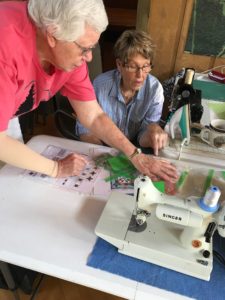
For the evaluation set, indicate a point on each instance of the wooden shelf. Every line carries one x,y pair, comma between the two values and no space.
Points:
121,17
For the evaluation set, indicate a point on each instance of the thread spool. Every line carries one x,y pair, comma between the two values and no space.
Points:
210,201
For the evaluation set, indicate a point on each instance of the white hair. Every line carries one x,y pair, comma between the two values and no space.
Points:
66,19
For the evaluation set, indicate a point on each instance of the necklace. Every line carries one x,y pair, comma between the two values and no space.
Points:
128,95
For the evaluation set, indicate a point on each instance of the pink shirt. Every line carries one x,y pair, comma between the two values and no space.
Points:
23,82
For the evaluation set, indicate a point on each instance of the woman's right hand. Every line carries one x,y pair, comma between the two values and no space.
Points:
71,165
155,168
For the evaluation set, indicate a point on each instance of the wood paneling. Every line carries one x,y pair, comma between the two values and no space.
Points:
121,16
199,62
143,9
164,26
168,25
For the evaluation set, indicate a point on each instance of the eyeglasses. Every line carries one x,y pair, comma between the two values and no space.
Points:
135,69
84,51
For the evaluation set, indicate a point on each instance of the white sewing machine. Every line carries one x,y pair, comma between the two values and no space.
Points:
165,230
171,231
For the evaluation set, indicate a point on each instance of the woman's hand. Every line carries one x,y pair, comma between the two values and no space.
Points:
155,168
71,165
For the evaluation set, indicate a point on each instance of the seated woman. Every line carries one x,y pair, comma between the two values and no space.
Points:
130,96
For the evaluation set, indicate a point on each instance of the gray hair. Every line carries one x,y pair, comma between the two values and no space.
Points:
132,42
66,19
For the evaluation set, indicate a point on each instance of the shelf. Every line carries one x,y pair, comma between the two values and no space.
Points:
121,17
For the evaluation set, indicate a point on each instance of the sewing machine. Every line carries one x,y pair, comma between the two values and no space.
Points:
171,231
163,229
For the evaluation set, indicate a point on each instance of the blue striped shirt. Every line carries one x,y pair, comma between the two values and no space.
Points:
132,118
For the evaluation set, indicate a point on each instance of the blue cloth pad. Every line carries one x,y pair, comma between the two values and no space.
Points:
106,257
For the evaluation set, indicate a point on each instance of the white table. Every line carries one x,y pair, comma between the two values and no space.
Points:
50,230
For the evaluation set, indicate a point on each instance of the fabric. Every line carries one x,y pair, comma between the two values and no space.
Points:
132,119
23,82
106,257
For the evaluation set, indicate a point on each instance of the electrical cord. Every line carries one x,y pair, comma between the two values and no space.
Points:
206,71
36,289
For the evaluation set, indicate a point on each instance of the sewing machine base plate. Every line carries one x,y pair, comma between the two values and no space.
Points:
158,243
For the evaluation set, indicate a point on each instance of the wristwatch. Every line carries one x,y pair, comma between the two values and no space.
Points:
136,152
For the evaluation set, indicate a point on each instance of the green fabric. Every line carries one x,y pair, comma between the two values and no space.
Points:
120,162
223,174
181,179
120,166
160,185
208,180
